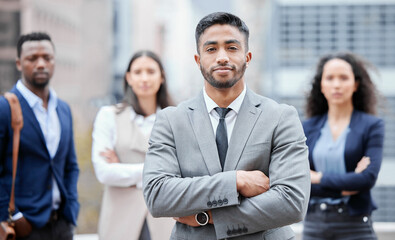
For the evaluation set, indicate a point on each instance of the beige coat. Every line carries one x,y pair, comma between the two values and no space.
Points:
123,210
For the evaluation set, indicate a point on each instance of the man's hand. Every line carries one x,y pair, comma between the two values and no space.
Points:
315,177
110,156
251,183
191,221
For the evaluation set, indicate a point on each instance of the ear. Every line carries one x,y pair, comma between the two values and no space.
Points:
356,85
128,78
248,58
18,64
197,59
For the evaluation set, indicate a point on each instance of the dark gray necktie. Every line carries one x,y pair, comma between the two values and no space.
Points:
221,136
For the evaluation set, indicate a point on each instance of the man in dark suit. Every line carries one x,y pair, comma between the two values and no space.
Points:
215,191
47,173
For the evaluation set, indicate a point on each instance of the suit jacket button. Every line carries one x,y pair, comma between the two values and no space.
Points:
225,201
220,202
214,203
209,204
49,187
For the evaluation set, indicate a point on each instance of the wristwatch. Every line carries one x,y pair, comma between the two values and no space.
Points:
202,218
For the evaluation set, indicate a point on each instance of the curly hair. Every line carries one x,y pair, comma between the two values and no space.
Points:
364,99
163,98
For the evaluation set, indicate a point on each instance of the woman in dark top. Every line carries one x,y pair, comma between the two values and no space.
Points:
345,143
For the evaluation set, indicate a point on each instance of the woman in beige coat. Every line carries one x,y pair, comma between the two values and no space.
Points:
120,141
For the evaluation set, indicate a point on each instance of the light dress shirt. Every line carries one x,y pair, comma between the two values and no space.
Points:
328,158
105,137
50,127
230,118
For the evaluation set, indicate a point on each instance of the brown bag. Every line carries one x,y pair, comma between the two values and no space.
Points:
10,229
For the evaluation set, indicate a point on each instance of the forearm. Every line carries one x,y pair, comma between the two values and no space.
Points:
173,196
260,213
119,174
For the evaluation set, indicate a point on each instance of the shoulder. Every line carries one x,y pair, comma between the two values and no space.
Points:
363,121
270,106
4,109
63,105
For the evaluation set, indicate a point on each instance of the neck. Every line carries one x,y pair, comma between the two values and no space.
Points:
224,97
148,105
337,112
42,93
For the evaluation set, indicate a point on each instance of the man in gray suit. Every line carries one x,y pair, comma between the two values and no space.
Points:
210,159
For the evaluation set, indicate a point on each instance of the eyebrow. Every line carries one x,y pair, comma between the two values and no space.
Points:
226,42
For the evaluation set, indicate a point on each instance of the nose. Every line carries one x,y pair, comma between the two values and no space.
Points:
336,82
144,76
40,63
222,57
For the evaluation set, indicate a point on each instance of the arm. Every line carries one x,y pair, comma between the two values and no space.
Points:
286,200
365,180
71,173
4,124
108,170
169,194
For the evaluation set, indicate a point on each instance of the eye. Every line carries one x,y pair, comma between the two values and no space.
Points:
48,58
151,71
233,48
344,77
210,49
137,72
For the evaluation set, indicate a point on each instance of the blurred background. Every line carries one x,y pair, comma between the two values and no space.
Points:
95,39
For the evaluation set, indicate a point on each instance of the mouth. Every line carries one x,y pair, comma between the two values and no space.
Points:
223,69
40,75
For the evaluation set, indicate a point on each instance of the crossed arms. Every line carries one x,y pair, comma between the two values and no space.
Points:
249,200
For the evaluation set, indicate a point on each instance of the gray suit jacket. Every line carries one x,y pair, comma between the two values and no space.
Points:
182,173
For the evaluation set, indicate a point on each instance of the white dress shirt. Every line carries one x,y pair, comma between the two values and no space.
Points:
50,127
104,137
230,118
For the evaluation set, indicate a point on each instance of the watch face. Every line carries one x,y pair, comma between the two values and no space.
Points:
202,218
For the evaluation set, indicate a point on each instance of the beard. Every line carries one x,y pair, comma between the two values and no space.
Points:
208,75
38,83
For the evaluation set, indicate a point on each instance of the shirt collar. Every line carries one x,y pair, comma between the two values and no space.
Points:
235,105
33,100
140,119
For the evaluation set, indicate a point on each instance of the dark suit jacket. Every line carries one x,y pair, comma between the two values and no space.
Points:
365,138
33,187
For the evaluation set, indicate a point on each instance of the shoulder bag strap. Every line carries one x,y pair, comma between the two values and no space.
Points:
16,124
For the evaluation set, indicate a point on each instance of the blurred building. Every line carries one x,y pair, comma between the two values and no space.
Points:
82,39
9,32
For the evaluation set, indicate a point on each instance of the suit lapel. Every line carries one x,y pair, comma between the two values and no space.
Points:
201,124
245,122
28,116
63,121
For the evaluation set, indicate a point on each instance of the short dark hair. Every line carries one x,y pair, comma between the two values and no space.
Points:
364,99
33,36
163,99
221,18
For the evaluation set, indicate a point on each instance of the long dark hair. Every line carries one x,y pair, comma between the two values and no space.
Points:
364,99
130,99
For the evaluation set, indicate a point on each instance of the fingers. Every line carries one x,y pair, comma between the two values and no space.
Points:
252,183
110,156
362,164
349,193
